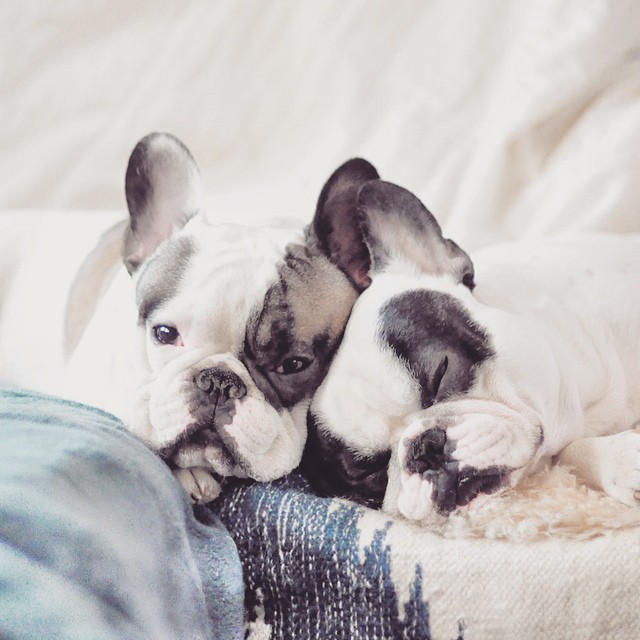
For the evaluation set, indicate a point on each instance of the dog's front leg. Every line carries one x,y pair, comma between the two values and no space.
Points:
609,463
457,451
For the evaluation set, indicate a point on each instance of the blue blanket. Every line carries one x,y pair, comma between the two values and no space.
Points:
97,540
310,576
328,569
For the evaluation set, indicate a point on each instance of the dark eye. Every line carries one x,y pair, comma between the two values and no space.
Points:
166,334
295,364
468,280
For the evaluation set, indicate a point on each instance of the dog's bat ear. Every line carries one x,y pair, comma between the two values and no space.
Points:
397,226
337,225
163,191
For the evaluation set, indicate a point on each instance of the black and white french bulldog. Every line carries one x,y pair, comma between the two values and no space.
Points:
455,378
209,340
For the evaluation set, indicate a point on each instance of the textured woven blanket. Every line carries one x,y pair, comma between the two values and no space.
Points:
97,541
328,569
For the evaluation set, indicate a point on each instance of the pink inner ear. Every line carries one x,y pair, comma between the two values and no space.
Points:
361,279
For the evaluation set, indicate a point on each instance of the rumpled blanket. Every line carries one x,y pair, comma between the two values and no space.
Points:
97,540
328,569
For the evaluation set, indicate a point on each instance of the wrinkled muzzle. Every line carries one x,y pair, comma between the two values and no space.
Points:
206,411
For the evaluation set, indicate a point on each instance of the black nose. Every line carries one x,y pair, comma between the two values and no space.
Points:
220,384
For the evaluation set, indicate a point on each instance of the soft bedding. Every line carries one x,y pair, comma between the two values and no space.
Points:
551,560
96,538
508,119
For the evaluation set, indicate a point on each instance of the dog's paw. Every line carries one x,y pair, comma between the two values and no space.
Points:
482,441
199,483
609,463
434,482
456,452
620,467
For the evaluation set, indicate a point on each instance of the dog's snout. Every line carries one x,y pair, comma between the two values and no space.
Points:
220,383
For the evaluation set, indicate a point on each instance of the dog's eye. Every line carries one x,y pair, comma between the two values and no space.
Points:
166,334
295,364
468,280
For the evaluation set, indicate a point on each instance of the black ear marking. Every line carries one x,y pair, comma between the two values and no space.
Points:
162,188
398,225
337,225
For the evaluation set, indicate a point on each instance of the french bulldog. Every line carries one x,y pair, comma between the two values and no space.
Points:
209,340
458,375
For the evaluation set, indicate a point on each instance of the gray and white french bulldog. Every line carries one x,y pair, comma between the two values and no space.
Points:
457,376
209,340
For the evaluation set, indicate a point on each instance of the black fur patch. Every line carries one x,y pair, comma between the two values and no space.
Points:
334,470
441,346
280,329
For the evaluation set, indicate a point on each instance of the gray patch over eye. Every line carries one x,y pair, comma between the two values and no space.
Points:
161,277
437,340
303,316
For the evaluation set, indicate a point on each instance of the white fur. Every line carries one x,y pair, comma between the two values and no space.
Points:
229,274
611,463
118,367
564,321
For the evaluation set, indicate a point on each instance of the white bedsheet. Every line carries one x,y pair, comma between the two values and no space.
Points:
507,118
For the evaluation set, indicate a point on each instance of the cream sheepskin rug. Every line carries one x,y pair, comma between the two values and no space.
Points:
552,503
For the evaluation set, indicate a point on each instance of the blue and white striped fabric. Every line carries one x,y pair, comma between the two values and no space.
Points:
308,572
322,569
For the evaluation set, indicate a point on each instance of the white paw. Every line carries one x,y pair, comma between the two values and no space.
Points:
620,467
455,452
415,500
483,441
199,483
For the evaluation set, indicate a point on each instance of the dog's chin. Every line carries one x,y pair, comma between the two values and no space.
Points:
202,446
